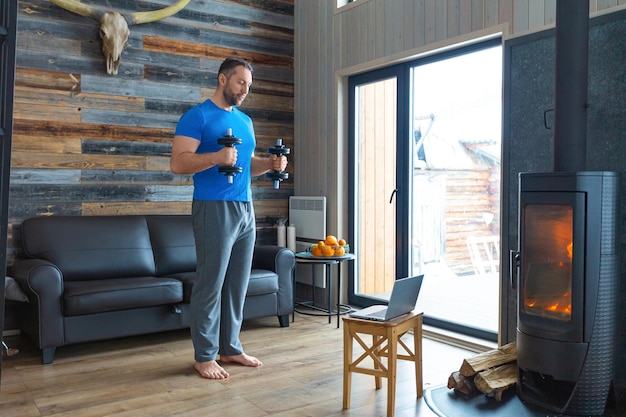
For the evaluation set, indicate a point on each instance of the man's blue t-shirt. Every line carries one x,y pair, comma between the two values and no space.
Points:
207,123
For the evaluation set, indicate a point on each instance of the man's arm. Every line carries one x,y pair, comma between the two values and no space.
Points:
261,165
185,160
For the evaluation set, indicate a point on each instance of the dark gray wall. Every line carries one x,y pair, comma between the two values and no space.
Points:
527,143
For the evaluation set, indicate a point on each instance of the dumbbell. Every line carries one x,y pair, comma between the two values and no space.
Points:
230,141
279,150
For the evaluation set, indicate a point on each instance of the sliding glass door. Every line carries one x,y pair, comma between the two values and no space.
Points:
424,189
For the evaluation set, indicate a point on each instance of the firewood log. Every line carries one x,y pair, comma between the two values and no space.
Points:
490,359
461,383
496,380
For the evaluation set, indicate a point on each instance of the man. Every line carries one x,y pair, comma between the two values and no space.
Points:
223,216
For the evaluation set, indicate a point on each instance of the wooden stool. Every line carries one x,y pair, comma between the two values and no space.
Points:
390,331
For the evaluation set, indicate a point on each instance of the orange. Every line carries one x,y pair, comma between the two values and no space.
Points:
331,240
339,251
328,251
321,244
341,242
316,251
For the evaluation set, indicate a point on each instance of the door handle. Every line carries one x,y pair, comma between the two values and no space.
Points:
394,192
514,268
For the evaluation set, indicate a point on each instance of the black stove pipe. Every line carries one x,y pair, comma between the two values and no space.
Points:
570,94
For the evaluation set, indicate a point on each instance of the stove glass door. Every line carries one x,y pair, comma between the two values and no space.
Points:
548,247
552,264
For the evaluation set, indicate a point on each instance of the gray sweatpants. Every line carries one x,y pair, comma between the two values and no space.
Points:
225,233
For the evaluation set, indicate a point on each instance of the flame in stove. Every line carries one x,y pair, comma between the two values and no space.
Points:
557,308
570,252
556,304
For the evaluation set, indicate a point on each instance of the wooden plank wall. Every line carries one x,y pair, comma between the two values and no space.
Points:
88,143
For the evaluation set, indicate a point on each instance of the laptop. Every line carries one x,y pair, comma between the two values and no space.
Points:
402,301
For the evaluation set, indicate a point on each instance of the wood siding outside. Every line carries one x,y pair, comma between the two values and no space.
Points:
88,143
469,195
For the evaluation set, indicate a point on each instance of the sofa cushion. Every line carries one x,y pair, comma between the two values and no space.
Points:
91,247
262,282
173,243
88,297
187,279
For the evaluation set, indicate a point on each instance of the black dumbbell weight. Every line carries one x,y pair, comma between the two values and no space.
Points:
279,150
229,140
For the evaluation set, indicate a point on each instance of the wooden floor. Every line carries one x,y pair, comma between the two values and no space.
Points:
152,376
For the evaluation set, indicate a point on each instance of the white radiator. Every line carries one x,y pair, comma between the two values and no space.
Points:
308,215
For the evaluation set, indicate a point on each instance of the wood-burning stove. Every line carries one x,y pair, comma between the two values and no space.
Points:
566,270
566,273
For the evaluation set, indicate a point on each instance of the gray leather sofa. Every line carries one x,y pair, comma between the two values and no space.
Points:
99,277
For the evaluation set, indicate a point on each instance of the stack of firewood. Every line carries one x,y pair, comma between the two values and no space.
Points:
490,372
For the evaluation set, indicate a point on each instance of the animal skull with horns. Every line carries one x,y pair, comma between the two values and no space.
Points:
114,25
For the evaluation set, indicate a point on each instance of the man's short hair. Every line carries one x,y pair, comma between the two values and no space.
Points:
228,66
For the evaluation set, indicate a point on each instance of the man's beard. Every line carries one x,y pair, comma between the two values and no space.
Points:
231,99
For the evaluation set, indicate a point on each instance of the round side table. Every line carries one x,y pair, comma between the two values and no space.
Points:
307,258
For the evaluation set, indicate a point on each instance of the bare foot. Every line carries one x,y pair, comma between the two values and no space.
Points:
210,370
242,359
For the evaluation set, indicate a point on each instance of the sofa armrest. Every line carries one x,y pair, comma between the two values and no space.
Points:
282,261
42,282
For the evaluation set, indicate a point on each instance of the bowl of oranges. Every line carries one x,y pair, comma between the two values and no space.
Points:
330,247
